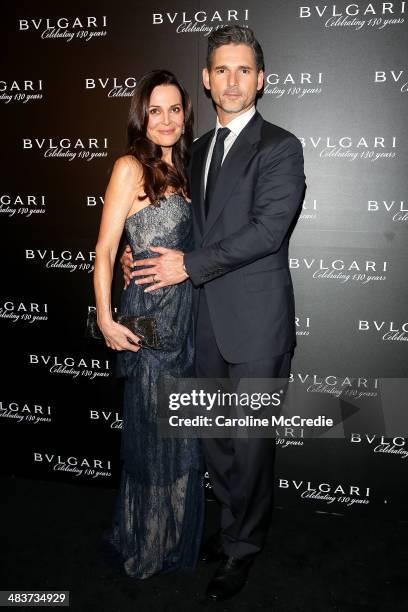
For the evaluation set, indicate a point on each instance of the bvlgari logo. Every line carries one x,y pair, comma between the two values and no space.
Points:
106,417
66,28
341,270
93,309
287,437
356,15
87,149
309,210
335,385
94,200
202,21
351,148
396,209
21,206
396,78
298,85
387,330
63,260
397,446
346,494
15,310
113,87
302,324
26,412
21,90
92,467
74,366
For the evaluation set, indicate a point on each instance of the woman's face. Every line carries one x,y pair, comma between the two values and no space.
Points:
166,115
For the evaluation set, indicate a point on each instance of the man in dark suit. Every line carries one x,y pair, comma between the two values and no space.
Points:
247,183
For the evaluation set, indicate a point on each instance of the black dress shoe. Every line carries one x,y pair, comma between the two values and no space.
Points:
212,549
229,578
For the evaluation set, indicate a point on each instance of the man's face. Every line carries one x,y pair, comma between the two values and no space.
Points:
233,79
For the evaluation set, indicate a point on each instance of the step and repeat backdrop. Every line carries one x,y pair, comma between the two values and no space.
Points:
337,77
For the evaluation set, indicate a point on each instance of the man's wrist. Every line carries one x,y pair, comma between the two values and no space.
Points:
184,267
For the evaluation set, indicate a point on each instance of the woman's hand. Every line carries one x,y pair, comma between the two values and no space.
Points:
127,262
119,338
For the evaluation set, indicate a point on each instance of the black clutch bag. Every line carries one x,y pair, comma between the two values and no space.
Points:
144,326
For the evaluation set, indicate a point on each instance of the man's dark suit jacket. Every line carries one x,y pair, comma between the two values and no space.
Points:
241,249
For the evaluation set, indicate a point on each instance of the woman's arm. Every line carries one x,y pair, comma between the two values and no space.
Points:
125,184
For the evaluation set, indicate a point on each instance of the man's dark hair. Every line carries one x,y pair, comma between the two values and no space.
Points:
236,35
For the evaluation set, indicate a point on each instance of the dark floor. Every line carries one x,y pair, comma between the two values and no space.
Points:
312,563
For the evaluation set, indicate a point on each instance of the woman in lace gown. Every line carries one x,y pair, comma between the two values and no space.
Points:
158,515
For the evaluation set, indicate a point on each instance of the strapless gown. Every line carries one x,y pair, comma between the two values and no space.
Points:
159,510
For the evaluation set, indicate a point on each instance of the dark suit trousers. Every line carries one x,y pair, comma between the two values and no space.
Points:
240,469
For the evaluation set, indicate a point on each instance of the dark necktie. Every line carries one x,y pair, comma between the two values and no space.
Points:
215,165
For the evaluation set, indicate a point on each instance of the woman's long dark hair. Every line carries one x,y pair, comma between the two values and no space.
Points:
157,175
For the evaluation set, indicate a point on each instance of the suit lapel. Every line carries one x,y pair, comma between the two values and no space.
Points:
197,179
241,152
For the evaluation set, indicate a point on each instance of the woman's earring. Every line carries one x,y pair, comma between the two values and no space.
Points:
182,129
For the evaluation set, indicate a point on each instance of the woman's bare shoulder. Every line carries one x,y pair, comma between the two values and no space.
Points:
128,165
127,173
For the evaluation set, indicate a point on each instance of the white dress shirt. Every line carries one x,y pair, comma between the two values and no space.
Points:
236,126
